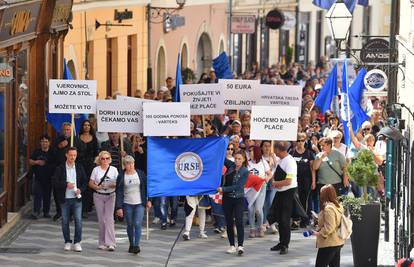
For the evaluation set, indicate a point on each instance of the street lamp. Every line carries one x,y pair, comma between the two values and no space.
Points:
339,21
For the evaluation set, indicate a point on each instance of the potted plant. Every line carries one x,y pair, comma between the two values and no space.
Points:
365,212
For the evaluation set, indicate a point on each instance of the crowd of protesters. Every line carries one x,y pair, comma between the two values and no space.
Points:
318,158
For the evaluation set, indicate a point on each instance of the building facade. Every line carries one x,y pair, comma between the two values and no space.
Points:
199,33
31,52
108,43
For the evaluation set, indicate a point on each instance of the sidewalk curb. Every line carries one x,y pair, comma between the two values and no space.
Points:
13,219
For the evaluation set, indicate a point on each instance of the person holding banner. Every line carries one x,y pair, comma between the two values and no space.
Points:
103,181
258,166
193,203
131,200
233,199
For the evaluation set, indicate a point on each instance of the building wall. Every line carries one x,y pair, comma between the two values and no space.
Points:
76,44
210,20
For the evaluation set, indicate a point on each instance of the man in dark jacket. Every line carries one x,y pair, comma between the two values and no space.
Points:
69,181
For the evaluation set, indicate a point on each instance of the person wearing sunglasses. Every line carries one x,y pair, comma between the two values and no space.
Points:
230,152
103,182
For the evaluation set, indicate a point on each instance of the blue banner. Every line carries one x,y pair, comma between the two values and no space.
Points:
328,93
185,167
222,67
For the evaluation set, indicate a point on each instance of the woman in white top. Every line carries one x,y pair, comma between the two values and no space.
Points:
259,167
131,200
337,145
103,182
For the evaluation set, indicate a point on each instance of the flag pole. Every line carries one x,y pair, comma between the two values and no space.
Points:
147,223
121,142
72,125
204,125
347,90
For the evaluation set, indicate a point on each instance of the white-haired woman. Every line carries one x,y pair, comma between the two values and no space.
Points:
103,181
131,200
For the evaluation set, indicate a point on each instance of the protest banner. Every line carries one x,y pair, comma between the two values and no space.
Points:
280,95
204,98
122,116
166,119
274,123
239,94
72,96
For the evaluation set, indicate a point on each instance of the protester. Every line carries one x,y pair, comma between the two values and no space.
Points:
131,200
337,145
233,200
193,204
328,242
103,182
258,166
87,151
113,146
42,161
69,181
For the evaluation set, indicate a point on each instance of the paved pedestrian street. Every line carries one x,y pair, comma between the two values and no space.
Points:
43,239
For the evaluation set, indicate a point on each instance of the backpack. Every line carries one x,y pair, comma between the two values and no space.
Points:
344,230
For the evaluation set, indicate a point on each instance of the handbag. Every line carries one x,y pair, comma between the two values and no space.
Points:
344,230
340,188
103,177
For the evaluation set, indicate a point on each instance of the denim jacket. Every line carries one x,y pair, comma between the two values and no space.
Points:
236,190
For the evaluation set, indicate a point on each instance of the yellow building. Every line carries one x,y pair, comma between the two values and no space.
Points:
115,56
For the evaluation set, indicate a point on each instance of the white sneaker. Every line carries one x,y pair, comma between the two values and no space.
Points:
240,250
156,220
111,248
102,247
68,247
274,229
203,235
231,250
77,247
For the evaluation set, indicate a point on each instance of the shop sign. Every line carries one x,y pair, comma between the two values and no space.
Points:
19,20
121,15
6,73
290,21
375,80
61,14
376,50
243,24
275,19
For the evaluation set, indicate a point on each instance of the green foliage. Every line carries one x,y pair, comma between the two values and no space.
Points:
289,54
352,205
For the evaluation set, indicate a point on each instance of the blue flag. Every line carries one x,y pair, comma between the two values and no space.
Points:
178,80
328,93
185,167
57,119
222,67
350,4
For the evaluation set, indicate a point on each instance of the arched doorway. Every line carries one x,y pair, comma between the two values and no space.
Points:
184,57
204,54
161,69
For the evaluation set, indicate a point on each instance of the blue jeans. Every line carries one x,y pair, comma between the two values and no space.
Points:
270,195
161,208
218,214
134,215
257,209
72,206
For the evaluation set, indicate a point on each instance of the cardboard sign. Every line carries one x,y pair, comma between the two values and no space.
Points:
122,116
204,98
274,123
239,94
280,95
166,119
72,96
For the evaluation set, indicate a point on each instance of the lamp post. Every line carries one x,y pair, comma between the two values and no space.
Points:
339,21
158,15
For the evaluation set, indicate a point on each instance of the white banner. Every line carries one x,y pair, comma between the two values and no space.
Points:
204,98
122,116
166,119
239,94
274,123
72,96
280,95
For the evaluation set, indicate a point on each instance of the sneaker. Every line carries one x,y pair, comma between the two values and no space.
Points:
217,230
274,229
111,248
67,247
164,226
102,247
252,233
203,235
131,249
136,250
278,247
172,222
156,220
77,247
261,231
240,250
283,250
231,250
186,236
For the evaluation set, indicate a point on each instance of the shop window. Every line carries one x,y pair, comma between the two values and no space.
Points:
22,94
